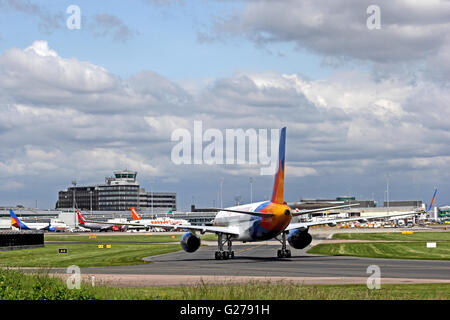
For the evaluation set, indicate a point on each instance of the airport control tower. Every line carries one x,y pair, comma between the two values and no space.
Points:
125,177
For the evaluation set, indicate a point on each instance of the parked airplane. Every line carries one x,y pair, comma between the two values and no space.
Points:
138,223
17,223
94,226
432,200
261,221
157,223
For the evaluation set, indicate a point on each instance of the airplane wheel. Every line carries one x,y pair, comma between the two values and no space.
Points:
284,254
218,255
225,255
232,255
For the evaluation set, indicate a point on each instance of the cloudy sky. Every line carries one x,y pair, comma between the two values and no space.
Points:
358,102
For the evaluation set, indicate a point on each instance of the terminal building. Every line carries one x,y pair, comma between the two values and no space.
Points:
443,213
118,193
113,200
364,207
322,203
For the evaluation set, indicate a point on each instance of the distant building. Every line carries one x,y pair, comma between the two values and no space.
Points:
194,209
444,213
321,203
404,203
119,192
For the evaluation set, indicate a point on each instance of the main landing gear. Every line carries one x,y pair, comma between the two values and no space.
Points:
221,254
283,253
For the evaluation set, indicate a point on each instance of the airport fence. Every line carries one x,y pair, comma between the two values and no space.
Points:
10,240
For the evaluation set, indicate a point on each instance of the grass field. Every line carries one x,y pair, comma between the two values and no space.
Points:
395,236
125,250
15,285
286,291
406,246
390,250
143,237
84,255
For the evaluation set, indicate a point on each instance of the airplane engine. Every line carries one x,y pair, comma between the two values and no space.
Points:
299,239
190,242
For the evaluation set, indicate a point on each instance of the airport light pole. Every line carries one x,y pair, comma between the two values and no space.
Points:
74,183
221,192
90,193
218,197
237,198
387,191
251,189
151,195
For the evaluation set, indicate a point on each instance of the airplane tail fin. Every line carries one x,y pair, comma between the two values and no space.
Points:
135,215
81,219
278,186
432,200
15,221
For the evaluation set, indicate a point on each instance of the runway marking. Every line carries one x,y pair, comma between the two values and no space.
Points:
252,247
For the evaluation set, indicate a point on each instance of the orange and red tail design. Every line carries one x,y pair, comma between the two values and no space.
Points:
135,215
278,186
81,219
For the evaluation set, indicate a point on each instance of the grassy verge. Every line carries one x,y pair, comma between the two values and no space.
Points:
390,250
15,285
286,291
84,255
145,237
395,236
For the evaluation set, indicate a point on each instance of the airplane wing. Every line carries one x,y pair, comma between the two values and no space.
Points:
258,214
202,229
298,213
304,225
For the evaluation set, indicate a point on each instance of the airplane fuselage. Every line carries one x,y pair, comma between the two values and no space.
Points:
158,223
255,228
31,226
96,226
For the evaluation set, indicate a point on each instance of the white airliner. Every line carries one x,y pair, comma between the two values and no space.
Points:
158,223
51,226
263,221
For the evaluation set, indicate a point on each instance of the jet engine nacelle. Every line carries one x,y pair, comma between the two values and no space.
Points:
190,242
299,239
